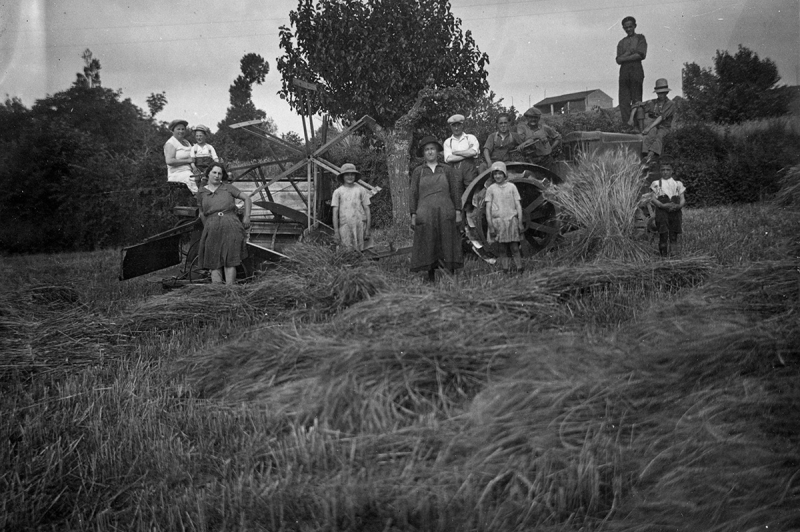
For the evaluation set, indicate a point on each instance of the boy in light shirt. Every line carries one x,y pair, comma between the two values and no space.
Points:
668,199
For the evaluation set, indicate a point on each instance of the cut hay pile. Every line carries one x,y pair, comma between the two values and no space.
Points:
686,416
689,424
789,192
599,198
319,281
405,355
46,327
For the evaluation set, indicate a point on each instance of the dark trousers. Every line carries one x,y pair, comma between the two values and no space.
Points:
669,225
631,79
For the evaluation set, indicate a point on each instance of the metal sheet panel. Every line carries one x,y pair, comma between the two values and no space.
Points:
150,256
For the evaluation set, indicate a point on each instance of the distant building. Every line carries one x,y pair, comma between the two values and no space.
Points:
575,102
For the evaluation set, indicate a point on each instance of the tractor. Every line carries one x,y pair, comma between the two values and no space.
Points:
540,217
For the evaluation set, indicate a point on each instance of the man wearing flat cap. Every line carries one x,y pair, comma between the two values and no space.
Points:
461,151
538,140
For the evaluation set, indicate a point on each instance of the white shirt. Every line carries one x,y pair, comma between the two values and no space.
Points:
206,150
667,187
464,142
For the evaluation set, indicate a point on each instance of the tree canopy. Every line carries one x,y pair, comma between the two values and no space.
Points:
239,145
405,63
79,166
740,87
374,57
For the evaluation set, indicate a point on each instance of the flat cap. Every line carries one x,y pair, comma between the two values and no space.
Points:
533,111
455,119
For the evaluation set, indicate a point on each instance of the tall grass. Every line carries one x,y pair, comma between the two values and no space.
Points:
599,198
338,394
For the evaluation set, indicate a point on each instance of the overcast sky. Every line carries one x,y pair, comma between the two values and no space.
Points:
536,48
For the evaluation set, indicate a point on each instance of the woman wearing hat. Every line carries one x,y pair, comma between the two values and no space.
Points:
435,206
177,154
660,113
351,216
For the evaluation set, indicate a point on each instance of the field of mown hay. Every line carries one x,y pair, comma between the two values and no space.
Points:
341,394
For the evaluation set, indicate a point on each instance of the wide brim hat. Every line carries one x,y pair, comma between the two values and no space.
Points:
661,86
347,168
533,111
201,127
500,165
430,139
176,122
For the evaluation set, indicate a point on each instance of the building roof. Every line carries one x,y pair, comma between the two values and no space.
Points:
571,97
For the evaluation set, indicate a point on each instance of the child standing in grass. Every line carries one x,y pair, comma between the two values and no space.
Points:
668,199
351,216
504,215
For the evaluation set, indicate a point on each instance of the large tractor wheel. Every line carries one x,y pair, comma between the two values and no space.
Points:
540,217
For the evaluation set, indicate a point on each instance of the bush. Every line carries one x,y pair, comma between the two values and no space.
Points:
737,164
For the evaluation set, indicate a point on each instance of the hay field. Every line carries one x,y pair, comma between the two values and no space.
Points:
341,394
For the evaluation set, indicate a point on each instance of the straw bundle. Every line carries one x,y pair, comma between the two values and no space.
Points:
600,197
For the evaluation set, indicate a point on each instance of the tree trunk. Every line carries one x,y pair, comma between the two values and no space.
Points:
397,142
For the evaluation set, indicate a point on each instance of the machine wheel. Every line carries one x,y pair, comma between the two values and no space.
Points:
540,217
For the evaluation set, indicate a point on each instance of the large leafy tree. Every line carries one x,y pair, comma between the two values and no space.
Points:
740,87
83,169
406,63
235,144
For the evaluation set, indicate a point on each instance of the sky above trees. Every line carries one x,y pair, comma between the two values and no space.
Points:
537,48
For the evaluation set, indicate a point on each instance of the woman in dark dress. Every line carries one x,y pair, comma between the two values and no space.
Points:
222,246
435,205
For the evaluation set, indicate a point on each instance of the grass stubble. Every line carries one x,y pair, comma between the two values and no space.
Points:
339,394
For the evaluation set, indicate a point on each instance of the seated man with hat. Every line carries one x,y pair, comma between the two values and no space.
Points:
461,151
659,114
538,140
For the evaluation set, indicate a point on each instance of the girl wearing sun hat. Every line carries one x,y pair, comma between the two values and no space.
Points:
351,215
659,114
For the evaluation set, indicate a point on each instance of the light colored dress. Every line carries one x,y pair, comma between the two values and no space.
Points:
223,243
182,173
502,201
352,202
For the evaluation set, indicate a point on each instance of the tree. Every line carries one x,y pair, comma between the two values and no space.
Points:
741,87
83,169
156,103
91,71
239,145
406,63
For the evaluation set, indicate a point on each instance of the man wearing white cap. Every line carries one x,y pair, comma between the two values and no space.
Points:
659,114
461,151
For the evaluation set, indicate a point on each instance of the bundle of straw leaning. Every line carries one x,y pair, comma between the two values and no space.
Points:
600,196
